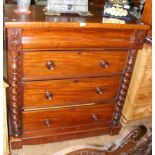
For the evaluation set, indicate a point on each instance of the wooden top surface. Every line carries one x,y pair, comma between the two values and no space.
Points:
38,19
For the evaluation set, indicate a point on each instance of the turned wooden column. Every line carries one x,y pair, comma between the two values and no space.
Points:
14,76
126,77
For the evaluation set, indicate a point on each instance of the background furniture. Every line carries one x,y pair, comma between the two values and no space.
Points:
147,15
5,125
138,104
132,140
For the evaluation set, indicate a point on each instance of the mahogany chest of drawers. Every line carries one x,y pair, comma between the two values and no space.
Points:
67,80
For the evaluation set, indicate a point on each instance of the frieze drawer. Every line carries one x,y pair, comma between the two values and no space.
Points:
70,91
73,38
72,64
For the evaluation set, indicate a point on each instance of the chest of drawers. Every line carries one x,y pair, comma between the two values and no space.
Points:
68,81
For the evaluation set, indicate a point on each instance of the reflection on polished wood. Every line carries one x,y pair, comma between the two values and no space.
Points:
38,19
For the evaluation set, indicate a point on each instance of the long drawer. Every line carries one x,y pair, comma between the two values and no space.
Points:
69,91
55,121
72,64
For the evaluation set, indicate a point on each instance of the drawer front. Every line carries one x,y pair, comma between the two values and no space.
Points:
62,118
69,92
71,38
71,64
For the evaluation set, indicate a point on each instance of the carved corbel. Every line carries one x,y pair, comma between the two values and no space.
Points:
140,38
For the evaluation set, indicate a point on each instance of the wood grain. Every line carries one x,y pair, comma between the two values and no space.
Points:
69,92
72,64
139,101
37,19
147,15
66,130
76,38
146,87
69,136
67,117
150,57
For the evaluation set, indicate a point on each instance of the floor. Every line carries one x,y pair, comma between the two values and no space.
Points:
50,148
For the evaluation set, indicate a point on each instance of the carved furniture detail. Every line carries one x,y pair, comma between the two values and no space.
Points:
134,140
14,69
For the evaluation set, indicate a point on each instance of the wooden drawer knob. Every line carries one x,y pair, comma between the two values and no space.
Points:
94,117
50,65
47,122
49,95
99,90
104,64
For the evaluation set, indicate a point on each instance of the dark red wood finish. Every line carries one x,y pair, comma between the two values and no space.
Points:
69,92
79,38
68,64
54,121
72,64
